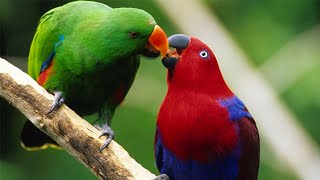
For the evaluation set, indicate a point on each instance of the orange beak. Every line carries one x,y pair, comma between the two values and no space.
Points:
158,39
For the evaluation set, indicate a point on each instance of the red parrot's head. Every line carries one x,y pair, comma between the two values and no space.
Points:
192,64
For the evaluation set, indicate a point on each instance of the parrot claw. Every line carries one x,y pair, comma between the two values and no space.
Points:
162,177
106,131
58,101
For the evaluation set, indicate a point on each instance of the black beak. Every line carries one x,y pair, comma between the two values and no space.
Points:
179,42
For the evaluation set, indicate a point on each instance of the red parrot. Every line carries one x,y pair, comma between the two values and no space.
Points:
203,130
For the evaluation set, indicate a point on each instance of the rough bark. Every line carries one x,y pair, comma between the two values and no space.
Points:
74,134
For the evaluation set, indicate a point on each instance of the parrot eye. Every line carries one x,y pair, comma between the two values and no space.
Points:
204,54
133,35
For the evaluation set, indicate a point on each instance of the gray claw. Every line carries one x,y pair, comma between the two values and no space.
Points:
58,101
107,131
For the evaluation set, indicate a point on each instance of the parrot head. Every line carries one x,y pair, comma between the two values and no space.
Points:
136,32
192,64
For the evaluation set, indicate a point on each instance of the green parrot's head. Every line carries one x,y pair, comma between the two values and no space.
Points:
135,31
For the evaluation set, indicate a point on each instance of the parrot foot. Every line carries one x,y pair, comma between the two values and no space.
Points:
162,177
106,131
58,101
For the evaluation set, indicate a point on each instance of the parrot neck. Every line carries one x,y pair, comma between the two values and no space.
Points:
210,82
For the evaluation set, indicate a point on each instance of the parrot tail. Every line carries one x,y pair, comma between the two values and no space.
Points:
32,139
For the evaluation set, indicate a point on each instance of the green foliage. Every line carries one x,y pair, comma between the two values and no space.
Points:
306,92
263,27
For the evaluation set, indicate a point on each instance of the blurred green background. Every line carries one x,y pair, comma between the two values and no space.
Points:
262,29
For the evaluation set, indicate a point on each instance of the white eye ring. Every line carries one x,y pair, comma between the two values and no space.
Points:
204,54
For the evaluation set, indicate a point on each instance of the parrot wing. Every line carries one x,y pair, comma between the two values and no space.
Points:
43,44
249,137
52,28
250,142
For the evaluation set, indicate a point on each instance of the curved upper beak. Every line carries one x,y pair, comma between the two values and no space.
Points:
179,41
158,40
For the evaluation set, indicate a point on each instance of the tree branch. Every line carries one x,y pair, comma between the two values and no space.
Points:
74,134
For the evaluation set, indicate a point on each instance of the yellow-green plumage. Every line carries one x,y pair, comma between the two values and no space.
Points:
94,56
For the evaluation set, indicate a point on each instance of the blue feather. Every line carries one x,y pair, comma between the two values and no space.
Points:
236,108
225,168
47,62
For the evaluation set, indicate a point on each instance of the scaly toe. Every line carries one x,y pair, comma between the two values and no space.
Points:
107,131
58,101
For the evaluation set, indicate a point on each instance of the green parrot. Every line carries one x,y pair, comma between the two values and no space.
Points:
87,54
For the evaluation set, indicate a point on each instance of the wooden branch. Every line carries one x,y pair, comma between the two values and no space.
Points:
74,134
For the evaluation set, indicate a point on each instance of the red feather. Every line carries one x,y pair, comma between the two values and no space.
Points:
43,77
